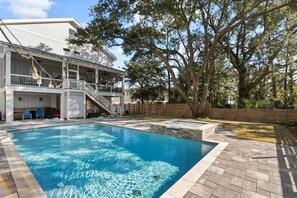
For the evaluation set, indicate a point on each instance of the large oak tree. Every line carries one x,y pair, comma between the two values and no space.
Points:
254,47
183,34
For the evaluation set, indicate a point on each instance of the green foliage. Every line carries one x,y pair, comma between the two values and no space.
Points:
145,76
255,48
184,34
293,123
147,93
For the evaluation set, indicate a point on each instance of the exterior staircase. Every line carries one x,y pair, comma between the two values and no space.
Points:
97,98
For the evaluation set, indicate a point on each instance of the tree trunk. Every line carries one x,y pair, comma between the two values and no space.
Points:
273,81
194,110
169,87
142,97
242,89
285,86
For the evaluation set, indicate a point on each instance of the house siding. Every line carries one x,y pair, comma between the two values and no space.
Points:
76,104
51,37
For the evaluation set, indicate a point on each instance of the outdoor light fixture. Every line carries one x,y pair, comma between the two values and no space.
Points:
19,99
40,99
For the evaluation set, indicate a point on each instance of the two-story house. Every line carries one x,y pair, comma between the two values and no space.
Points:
75,80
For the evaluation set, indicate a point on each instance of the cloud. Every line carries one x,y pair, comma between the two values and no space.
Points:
28,8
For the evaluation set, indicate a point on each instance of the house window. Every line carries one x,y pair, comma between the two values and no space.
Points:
71,33
66,49
76,52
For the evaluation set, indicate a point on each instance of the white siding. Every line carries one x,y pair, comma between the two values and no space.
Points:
51,37
34,100
56,31
2,104
76,104
2,72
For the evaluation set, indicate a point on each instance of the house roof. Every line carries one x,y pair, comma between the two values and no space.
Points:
72,21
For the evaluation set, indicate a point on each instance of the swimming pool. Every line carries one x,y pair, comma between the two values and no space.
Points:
92,160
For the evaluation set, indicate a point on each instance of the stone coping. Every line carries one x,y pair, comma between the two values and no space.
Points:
183,185
25,182
193,130
27,185
170,124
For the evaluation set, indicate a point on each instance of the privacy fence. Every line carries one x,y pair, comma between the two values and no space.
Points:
183,111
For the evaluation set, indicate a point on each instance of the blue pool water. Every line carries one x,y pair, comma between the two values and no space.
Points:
92,160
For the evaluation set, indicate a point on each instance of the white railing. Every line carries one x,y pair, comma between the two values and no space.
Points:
83,85
70,84
18,79
99,98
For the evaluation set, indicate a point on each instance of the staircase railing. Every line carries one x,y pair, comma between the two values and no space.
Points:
97,97
91,92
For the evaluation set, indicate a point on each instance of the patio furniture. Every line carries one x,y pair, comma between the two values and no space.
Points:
51,113
39,113
27,114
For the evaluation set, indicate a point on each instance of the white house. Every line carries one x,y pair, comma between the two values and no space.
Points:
74,80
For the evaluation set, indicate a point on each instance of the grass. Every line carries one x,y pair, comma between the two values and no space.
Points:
264,132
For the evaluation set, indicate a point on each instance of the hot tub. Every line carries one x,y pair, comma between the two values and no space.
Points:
194,130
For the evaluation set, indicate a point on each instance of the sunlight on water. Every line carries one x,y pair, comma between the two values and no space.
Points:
92,160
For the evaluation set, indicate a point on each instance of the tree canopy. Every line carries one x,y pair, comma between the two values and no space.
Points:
184,34
145,76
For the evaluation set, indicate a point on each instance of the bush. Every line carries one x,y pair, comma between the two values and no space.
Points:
292,123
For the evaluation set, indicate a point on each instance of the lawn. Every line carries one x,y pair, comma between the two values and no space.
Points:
274,133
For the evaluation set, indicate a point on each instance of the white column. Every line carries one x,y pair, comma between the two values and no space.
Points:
62,106
64,71
67,103
2,104
8,68
9,105
85,105
96,79
122,104
123,80
77,73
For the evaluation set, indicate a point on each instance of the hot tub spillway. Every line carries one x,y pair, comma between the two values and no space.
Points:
193,130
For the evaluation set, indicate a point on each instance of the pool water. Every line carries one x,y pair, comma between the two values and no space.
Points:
92,160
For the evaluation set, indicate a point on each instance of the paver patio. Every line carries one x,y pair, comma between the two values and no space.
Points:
244,169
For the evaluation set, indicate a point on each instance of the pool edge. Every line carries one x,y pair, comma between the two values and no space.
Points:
25,182
21,174
178,189
184,184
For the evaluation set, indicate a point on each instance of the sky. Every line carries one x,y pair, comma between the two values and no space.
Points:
78,9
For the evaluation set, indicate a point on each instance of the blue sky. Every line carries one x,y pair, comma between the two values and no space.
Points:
78,9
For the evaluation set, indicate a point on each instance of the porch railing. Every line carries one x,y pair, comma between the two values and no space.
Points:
18,79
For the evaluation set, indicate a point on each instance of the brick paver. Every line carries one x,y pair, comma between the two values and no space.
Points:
7,185
251,169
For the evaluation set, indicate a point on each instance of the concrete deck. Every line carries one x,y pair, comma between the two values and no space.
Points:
243,169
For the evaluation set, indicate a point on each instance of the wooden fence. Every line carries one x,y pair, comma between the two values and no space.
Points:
183,111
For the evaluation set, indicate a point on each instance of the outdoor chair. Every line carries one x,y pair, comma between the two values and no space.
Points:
27,114
39,113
